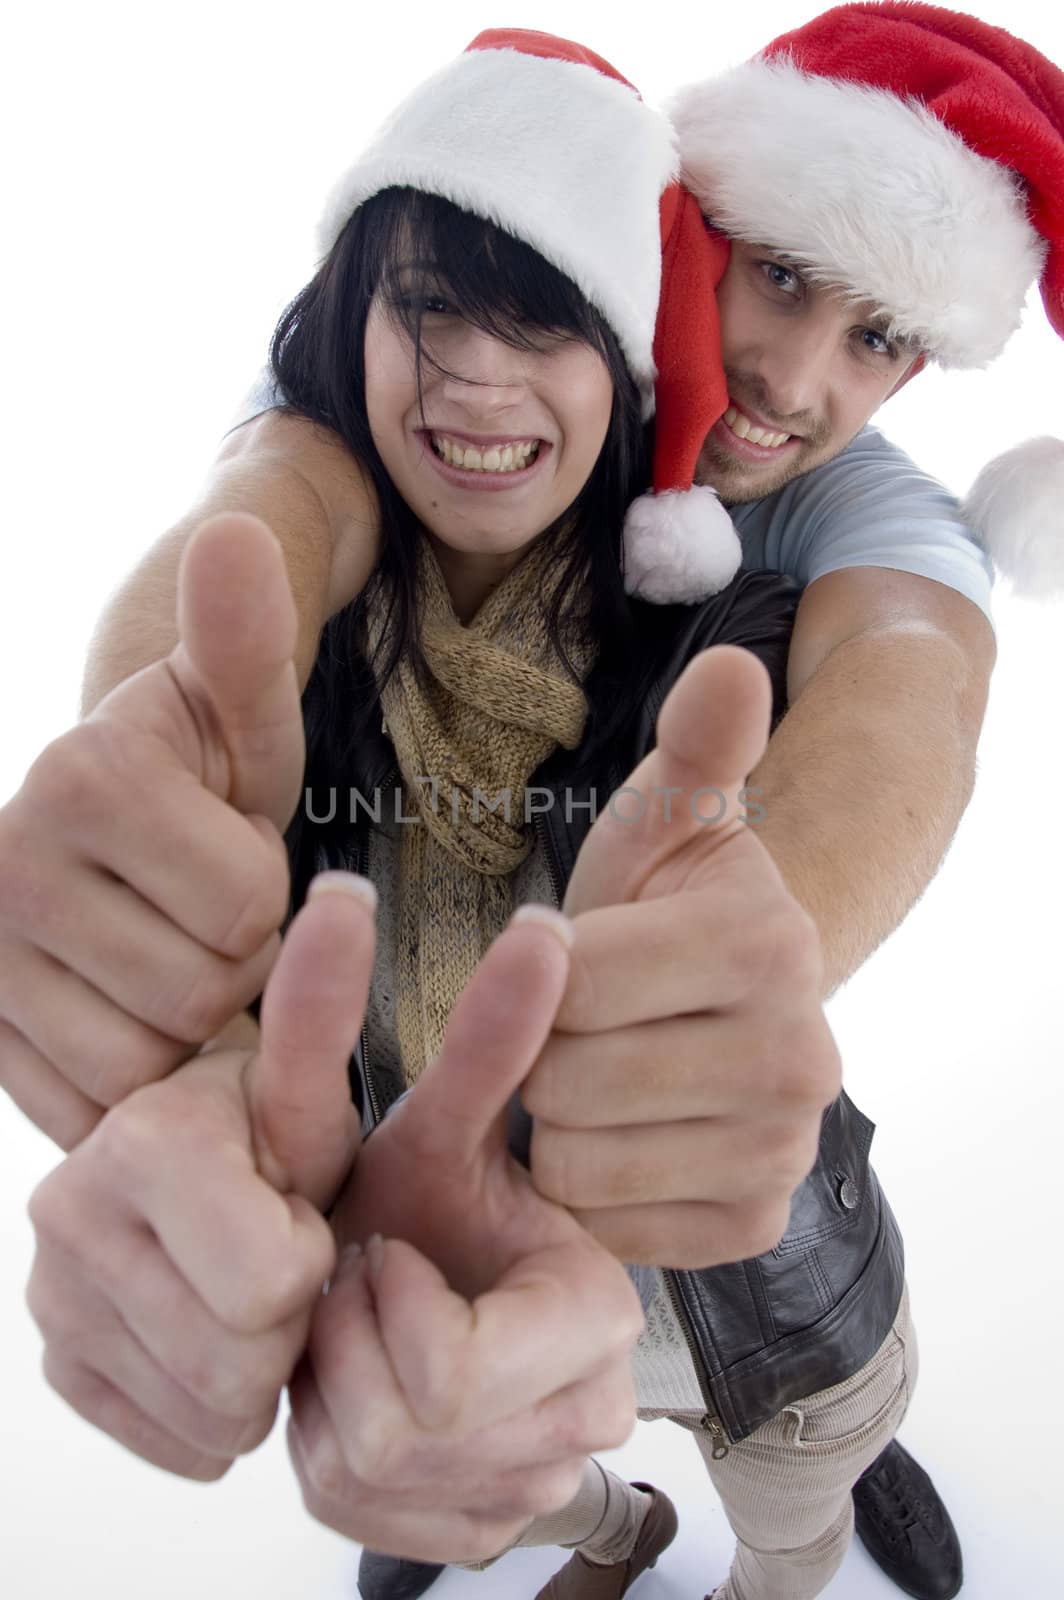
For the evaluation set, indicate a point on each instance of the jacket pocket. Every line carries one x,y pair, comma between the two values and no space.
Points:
831,1199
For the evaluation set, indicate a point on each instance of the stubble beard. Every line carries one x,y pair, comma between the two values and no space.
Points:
738,482
737,485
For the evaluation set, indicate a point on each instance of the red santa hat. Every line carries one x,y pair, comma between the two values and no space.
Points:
915,157
547,140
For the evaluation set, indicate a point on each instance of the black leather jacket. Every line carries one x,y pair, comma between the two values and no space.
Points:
768,1331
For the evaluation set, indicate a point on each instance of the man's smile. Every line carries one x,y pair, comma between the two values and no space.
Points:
749,437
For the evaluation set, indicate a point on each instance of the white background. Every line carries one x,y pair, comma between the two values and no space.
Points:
164,170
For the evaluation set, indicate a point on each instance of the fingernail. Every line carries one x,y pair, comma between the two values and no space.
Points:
547,917
351,883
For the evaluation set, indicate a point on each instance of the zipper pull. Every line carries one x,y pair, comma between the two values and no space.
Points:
716,1433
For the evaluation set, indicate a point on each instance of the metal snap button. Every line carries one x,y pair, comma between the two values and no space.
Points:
849,1194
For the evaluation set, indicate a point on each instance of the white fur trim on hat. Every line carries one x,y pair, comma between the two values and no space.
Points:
558,154
868,192
1016,507
679,546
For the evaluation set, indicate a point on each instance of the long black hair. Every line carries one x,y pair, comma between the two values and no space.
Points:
504,287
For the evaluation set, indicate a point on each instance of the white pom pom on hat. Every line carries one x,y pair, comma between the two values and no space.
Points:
680,544
1016,507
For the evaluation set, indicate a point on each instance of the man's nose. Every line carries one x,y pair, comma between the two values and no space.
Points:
797,366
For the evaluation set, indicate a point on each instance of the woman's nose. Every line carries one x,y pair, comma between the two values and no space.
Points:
481,370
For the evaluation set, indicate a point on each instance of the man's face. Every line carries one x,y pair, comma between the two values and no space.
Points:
806,368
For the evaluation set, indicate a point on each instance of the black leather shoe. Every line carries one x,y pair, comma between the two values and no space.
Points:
905,1528
393,1578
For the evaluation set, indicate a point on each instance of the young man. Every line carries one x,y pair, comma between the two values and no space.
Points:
796,365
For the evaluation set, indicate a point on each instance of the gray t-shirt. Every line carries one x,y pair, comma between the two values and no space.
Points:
870,507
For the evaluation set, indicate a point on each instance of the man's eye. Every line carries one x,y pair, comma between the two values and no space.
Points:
779,276
877,343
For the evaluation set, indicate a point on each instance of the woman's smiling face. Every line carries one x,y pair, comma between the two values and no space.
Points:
500,439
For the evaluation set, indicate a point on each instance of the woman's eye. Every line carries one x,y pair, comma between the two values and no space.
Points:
422,303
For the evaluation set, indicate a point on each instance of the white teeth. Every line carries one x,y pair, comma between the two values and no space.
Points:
745,429
508,458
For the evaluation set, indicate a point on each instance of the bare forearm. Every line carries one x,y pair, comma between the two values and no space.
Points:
303,483
864,782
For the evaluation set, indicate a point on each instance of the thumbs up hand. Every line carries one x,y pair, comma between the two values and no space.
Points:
181,1247
460,1370
142,874
678,1101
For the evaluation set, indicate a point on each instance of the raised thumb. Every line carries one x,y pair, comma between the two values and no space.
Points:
305,1126
237,627
711,733
456,1111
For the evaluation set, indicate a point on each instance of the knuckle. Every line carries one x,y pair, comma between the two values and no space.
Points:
261,899
764,1227
33,895
206,1468
600,1418
484,1541
47,1208
44,1308
69,1377
550,1164
579,1006
795,958
327,1478
807,1066
207,999
132,1140
255,1431
68,779
381,1456
112,1068
233,1389
539,1090
552,1488
254,1303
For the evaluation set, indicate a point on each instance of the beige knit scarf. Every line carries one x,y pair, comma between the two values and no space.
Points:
497,702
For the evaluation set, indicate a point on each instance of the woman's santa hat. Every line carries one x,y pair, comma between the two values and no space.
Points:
915,157
548,141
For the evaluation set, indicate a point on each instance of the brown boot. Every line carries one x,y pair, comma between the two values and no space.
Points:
581,1579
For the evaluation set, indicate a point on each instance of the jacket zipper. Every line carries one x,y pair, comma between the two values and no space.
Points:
711,1421
374,1103
543,834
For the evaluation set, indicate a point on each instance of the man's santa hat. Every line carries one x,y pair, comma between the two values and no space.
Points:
915,157
548,141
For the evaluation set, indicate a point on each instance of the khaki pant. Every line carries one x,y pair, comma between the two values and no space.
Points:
785,1488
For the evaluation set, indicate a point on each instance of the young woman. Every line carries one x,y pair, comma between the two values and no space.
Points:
480,335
